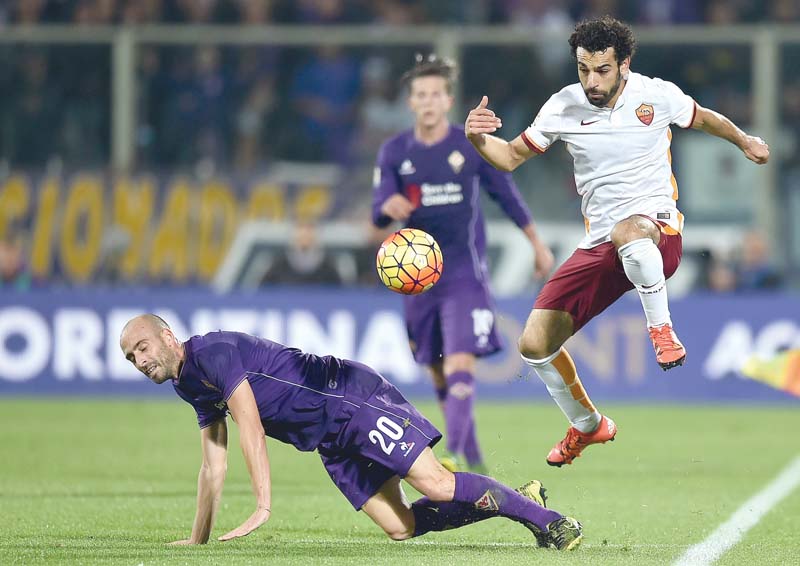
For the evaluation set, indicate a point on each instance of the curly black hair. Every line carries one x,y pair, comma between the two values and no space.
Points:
431,66
600,34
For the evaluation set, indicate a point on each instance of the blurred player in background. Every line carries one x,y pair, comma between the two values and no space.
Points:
429,177
615,124
367,434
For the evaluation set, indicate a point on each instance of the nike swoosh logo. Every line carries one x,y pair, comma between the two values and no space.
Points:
583,123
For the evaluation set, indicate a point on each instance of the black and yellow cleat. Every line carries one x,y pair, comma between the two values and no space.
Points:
535,491
564,534
451,462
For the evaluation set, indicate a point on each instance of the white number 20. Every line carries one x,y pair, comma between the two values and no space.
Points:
390,429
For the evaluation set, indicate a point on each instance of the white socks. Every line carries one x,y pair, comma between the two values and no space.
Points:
644,267
558,373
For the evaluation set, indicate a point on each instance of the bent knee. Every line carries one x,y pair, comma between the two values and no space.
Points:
537,346
633,228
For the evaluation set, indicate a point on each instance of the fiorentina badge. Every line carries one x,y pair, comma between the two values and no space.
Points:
456,161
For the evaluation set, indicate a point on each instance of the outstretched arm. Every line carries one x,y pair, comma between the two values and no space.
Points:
243,408
214,440
481,123
714,123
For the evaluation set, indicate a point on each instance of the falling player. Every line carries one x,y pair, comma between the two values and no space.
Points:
428,177
615,124
367,434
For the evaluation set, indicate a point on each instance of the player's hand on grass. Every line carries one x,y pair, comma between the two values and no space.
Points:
756,150
257,519
481,120
397,207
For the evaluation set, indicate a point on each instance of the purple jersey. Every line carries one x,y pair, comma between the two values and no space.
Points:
298,394
442,181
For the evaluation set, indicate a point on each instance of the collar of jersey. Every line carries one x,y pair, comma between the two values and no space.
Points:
187,350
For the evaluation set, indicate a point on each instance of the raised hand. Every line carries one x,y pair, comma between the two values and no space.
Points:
756,150
257,519
481,120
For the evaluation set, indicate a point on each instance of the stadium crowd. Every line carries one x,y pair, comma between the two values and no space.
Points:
238,105
243,108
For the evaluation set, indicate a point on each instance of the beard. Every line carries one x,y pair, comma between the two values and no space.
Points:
167,365
606,96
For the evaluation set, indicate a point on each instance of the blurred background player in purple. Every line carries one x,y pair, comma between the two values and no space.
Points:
367,434
428,177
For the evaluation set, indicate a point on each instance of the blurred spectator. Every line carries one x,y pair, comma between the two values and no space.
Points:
94,12
193,118
304,261
329,11
720,276
668,12
756,270
29,12
139,12
383,110
722,12
257,106
748,268
323,95
196,11
32,116
14,273
784,11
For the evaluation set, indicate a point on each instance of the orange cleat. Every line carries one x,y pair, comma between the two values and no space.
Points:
573,444
669,350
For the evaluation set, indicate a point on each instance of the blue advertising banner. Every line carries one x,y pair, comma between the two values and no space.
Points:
67,342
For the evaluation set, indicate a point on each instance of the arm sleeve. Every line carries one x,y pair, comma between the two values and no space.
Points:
385,183
546,127
504,191
222,365
207,413
681,107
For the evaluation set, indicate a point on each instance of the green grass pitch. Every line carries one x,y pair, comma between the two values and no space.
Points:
109,482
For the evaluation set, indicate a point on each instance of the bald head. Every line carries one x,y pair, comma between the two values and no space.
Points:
149,344
150,321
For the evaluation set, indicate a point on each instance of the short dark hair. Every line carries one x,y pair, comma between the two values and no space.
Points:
602,33
431,66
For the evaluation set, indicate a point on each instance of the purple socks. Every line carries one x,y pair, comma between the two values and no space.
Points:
477,498
458,407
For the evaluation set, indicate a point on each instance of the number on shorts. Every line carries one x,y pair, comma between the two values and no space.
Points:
482,323
390,429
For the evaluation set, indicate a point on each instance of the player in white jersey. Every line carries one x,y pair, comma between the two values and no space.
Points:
615,124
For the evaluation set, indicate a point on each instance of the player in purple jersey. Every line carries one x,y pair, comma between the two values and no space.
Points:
367,434
429,178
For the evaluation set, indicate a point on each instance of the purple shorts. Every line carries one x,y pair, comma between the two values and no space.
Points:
377,437
447,321
591,280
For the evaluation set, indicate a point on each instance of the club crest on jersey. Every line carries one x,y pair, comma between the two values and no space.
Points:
407,168
645,114
456,161
486,502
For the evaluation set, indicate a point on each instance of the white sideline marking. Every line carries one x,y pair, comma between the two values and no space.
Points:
746,517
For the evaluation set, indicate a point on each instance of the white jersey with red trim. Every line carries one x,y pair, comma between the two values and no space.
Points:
621,154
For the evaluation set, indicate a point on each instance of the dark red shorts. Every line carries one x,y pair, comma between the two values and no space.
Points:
591,280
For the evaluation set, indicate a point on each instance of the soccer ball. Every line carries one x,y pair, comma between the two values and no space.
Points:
409,261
